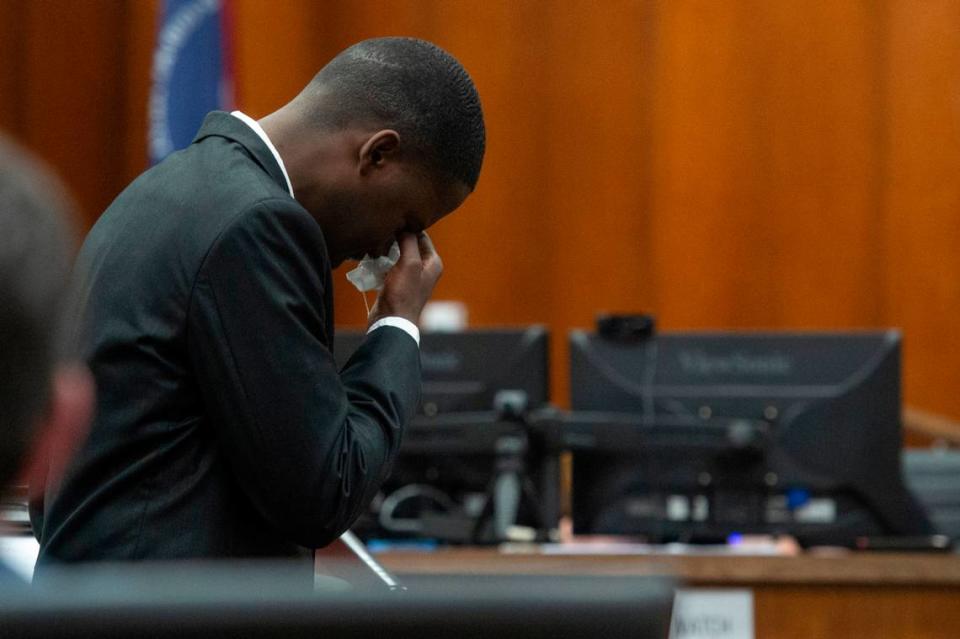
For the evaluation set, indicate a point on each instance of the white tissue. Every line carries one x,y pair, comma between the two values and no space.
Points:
371,271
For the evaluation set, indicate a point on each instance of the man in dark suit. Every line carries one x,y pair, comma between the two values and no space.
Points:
223,427
45,398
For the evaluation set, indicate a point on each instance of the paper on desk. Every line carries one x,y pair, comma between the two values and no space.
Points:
718,613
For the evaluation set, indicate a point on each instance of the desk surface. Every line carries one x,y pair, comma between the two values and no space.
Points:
881,569
895,596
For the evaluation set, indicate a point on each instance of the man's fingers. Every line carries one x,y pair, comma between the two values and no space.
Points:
410,283
426,245
409,247
428,253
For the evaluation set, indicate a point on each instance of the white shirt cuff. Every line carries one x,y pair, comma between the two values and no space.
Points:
398,322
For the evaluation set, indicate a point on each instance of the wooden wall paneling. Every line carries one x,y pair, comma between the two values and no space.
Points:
922,195
800,612
379,18
73,89
741,164
73,99
135,80
279,46
709,172
764,140
598,158
821,106
12,49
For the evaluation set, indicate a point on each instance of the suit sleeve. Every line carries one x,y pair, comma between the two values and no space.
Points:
308,445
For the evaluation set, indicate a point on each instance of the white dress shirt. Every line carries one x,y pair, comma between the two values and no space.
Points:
397,322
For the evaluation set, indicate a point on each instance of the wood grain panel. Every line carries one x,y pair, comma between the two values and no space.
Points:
596,215
708,176
818,114
764,193
824,596
811,611
12,50
279,46
73,107
140,36
820,568
922,198
726,165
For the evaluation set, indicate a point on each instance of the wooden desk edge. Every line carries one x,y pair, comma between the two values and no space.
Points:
877,569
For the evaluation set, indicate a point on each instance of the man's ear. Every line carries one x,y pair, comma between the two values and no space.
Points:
379,149
62,430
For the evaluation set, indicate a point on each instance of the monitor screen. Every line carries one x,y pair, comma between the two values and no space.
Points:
463,371
686,436
468,468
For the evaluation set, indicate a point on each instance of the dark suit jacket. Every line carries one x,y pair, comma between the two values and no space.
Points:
223,426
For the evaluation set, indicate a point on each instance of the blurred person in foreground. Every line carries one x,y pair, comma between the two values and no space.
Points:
45,399
223,427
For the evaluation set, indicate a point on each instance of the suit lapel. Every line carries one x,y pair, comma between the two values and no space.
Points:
222,124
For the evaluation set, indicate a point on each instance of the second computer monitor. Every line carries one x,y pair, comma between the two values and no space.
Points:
689,435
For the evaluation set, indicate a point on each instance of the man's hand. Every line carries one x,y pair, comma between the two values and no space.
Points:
409,284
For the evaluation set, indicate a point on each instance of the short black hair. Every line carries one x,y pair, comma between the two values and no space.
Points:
35,252
416,88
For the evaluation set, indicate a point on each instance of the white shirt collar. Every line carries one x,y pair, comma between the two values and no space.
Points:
253,124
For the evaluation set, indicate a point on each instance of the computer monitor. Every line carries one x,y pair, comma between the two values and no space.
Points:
469,451
698,436
463,371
